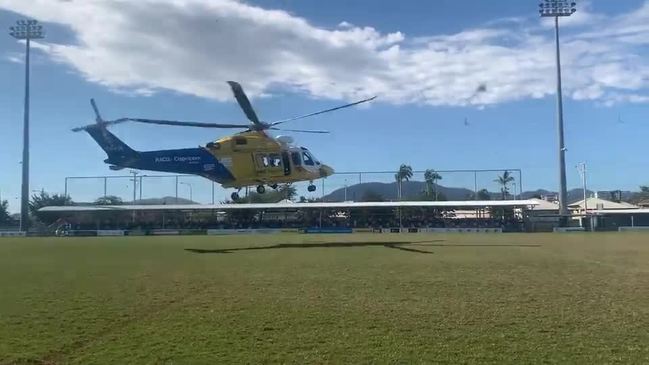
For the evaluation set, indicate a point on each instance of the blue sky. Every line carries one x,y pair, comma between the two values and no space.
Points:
424,59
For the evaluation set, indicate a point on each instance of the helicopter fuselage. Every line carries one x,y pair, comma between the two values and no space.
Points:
244,159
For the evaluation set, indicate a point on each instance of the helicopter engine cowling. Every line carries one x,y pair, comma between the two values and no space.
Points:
286,140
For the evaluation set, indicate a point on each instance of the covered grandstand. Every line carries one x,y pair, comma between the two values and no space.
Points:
504,215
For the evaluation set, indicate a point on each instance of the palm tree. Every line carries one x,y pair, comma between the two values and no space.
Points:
504,181
431,177
404,173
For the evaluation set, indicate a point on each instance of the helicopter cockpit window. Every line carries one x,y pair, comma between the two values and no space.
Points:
307,158
295,156
240,141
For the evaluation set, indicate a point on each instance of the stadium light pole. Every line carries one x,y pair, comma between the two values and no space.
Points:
556,9
27,30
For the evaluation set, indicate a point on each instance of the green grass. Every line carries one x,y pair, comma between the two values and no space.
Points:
457,298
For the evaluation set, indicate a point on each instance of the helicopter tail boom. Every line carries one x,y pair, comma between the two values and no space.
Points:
118,152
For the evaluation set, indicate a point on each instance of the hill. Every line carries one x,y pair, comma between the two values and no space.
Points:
413,189
164,201
410,189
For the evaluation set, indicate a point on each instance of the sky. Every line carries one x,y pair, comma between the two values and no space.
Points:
425,60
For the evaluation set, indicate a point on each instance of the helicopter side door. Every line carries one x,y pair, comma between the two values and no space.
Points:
269,165
286,161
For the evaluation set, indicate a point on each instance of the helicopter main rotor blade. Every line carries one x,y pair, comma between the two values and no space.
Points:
103,123
244,103
187,124
323,111
299,130
98,118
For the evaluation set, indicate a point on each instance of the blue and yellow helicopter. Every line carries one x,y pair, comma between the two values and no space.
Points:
248,158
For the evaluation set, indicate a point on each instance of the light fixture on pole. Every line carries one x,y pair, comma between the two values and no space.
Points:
27,30
556,9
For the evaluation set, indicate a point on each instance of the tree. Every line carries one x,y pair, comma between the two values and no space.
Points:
431,177
43,199
484,195
404,173
4,212
504,182
644,192
109,200
286,191
642,196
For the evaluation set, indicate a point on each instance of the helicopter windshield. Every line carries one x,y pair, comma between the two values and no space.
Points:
308,158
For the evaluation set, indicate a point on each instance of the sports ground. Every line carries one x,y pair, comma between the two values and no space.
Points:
358,298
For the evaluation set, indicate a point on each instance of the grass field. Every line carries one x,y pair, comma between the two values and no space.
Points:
406,298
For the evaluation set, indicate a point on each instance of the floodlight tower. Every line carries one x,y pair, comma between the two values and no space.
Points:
556,9
27,30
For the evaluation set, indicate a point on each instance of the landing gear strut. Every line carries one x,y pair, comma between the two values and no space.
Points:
261,189
274,186
235,195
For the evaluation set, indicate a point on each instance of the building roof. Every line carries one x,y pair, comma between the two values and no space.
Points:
596,203
198,207
622,211
543,204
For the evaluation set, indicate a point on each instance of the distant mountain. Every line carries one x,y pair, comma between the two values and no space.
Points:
410,189
163,201
413,189
150,201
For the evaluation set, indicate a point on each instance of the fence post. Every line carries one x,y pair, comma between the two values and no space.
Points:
176,189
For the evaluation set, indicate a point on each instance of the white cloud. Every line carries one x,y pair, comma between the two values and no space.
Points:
193,46
14,58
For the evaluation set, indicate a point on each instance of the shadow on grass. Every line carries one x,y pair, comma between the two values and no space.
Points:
476,244
397,245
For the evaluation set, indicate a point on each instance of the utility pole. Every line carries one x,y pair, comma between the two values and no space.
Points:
134,185
27,30
556,9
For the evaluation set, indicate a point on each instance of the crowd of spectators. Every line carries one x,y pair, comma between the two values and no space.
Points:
186,221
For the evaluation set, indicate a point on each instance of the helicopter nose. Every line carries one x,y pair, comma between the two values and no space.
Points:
326,170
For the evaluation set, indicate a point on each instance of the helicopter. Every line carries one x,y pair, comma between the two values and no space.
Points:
248,158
